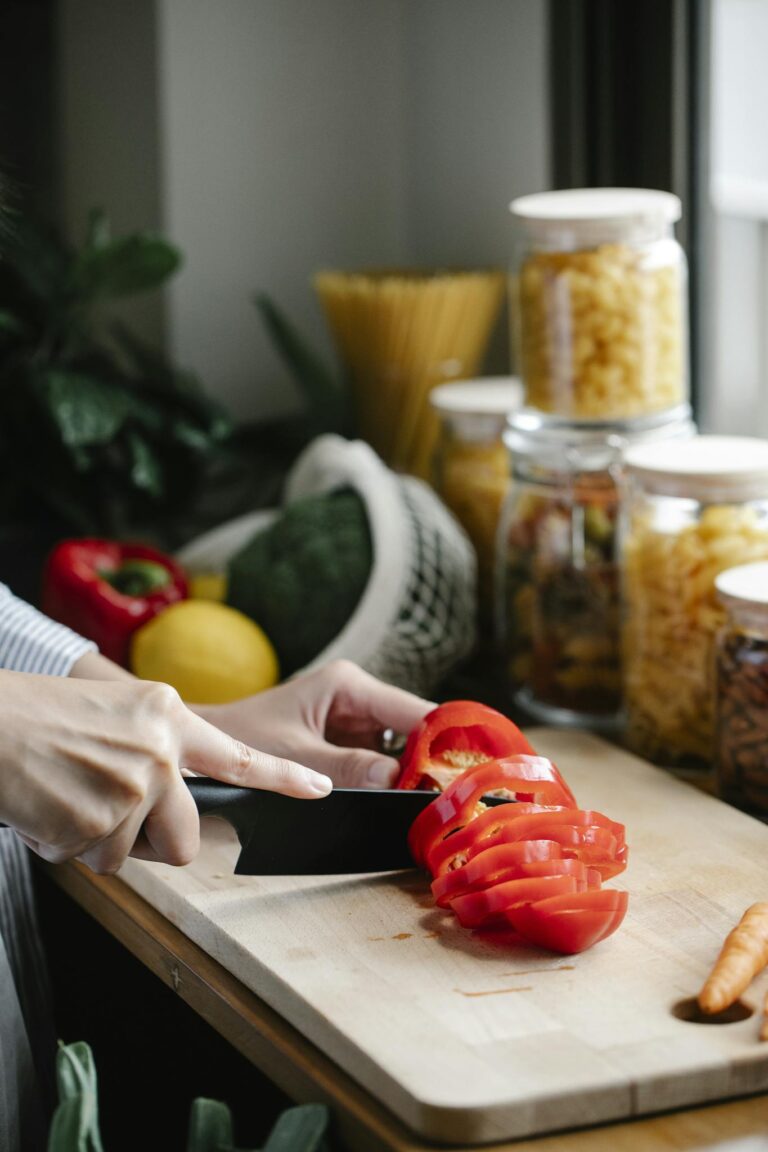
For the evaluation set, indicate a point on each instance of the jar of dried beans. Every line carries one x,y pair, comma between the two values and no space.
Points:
741,747
558,573
693,510
599,292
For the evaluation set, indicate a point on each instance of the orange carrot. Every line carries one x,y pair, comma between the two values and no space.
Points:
743,955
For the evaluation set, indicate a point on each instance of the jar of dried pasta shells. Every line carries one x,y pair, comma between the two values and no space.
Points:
693,510
599,302
470,466
741,759
558,590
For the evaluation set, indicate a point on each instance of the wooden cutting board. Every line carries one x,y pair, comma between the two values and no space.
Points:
466,1042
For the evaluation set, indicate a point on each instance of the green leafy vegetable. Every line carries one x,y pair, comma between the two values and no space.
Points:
302,577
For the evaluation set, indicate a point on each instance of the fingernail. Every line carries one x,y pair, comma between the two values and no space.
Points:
381,774
320,784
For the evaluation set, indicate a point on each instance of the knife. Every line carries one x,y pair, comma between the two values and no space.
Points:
350,830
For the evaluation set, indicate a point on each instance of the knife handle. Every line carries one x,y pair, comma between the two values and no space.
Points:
214,797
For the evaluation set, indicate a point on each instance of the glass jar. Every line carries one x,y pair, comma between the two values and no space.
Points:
470,466
741,746
599,294
558,594
692,511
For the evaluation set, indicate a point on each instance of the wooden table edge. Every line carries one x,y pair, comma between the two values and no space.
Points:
306,1074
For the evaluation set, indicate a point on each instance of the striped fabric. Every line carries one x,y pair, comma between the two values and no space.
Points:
30,642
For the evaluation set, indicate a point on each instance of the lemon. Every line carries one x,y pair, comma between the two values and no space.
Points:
210,653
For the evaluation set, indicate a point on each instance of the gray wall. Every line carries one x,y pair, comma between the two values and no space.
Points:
270,138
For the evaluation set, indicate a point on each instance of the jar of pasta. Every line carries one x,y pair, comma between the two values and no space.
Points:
558,593
693,510
741,746
599,302
470,467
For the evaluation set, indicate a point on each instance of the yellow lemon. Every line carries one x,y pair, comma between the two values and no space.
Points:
208,586
210,653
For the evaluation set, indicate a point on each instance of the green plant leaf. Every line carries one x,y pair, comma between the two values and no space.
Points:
325,397
300,1129
146,469
210,1127
124,266
75,1126
36,254
85,411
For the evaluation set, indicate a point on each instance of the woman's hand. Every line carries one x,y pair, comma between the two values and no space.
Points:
332,720
92,768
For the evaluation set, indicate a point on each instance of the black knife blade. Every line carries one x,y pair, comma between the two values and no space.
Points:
350,830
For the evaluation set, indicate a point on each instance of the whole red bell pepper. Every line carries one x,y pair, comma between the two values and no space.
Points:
106,590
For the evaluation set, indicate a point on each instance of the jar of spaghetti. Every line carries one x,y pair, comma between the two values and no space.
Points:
558,562
693,510
470,467
599,291
741,745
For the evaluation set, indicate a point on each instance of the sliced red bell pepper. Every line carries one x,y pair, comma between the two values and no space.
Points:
555,878
504,862
105,590
535,864
528,778
453,737
588,836
570,922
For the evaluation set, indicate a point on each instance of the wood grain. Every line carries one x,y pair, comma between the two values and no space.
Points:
467,1043
307,1075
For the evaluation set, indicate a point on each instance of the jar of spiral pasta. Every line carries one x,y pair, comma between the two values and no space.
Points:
470,467
599,302
693,510
741,746
558,587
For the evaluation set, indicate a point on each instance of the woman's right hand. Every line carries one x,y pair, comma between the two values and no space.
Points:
92,769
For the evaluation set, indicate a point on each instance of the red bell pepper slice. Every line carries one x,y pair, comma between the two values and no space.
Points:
587,835
453,737
570,922
483,830
547,878
518,777
504,862
105,590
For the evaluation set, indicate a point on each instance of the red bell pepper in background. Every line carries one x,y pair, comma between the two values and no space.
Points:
105,590
453,737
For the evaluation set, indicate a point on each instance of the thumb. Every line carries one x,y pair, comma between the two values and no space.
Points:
207,749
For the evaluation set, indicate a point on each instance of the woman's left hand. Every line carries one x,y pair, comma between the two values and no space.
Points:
331,720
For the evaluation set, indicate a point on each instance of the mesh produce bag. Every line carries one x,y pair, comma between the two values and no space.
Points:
416,618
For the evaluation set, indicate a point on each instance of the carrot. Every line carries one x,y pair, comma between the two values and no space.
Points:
764,1024
743,955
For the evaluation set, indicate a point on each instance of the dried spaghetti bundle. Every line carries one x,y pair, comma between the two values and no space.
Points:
399,334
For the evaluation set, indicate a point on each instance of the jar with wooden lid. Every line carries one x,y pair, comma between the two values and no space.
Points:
599,292
741,745
693,510
471,468
558,591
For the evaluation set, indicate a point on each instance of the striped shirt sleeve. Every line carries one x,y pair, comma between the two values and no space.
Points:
31,642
